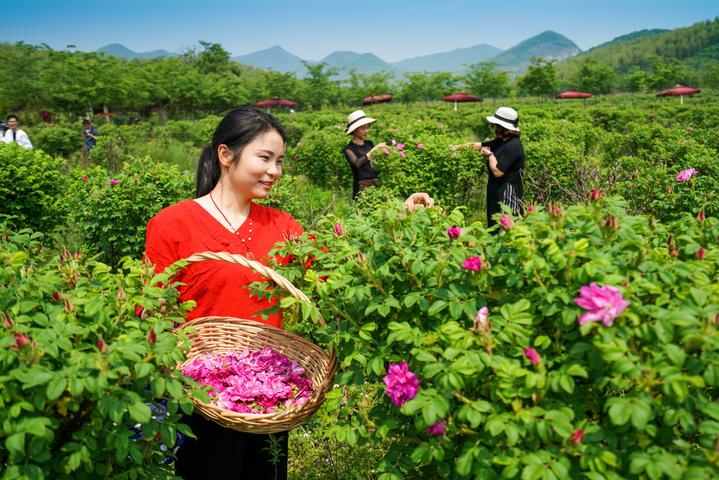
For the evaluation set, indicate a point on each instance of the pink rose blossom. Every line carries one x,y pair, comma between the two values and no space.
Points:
454,232
85,179
252,382
402,154
531,208
385,151
400,146
402,385
687,174
338,229
420,146
603,304
114,182
394,142
505,222
596,194
532,356
481,321
578,436
437,428
473,263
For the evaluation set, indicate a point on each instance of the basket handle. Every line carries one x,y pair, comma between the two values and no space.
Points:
256,266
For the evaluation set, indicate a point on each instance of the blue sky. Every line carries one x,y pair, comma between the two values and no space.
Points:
391,29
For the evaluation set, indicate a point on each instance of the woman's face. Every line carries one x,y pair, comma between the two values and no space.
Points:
259,165
499,130
362,132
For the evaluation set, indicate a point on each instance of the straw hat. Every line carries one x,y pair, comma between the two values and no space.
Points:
356,119
506,117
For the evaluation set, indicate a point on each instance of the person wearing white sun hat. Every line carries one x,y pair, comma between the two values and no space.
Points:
505,163
359,151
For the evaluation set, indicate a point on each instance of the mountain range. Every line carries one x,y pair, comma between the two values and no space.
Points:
551,45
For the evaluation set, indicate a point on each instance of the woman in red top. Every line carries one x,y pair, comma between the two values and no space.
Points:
241,164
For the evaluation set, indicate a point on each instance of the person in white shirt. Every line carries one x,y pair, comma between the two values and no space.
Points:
15,135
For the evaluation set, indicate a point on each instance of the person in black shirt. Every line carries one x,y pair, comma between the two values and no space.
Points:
505,163
359,150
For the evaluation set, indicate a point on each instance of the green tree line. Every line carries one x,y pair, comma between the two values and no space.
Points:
205,80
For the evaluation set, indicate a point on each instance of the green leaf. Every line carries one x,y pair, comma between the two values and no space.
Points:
15,443
464,462
55,388
641,413
140,412
436,307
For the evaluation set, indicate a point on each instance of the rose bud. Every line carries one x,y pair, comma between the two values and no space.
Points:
151,337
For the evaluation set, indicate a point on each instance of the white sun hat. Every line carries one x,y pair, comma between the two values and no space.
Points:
506,117
356,119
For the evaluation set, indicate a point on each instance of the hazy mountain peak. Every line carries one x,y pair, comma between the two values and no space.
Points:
119,50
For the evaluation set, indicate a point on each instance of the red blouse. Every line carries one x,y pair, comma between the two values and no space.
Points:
218,287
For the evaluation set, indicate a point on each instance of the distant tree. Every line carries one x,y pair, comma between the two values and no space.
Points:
360,85
635,81
319,89
213,58
484,79
540,79
594,77
426,86
666,72
710,76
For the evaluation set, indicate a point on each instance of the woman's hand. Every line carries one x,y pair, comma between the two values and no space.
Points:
418,199
376,147
485,151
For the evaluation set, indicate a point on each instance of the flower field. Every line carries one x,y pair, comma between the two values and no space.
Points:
579,340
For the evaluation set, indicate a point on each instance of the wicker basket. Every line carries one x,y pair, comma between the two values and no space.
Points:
227,334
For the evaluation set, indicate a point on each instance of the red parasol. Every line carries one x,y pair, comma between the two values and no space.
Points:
461,97
275,102
573,94
678,91
376,99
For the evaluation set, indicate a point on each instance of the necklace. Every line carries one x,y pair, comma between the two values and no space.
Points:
249,253
234,230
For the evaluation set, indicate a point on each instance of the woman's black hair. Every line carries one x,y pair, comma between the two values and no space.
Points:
236,130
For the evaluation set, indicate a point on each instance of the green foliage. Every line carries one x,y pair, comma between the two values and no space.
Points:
540,79
319,450
594,78
484,79
30,185
111,212
57,139
77,369
633,399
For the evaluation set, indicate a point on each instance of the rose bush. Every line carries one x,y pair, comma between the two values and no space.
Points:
31,187
584,347
77,369
111,211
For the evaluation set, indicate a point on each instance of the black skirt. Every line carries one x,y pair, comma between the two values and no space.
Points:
222,453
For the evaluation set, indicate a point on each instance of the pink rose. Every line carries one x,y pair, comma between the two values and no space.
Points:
505,222
603,304
402,384
454,232
437,428
473,263
532,356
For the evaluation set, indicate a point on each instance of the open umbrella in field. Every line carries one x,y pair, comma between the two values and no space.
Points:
376,99
275,102
461,97
573,94
678,91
